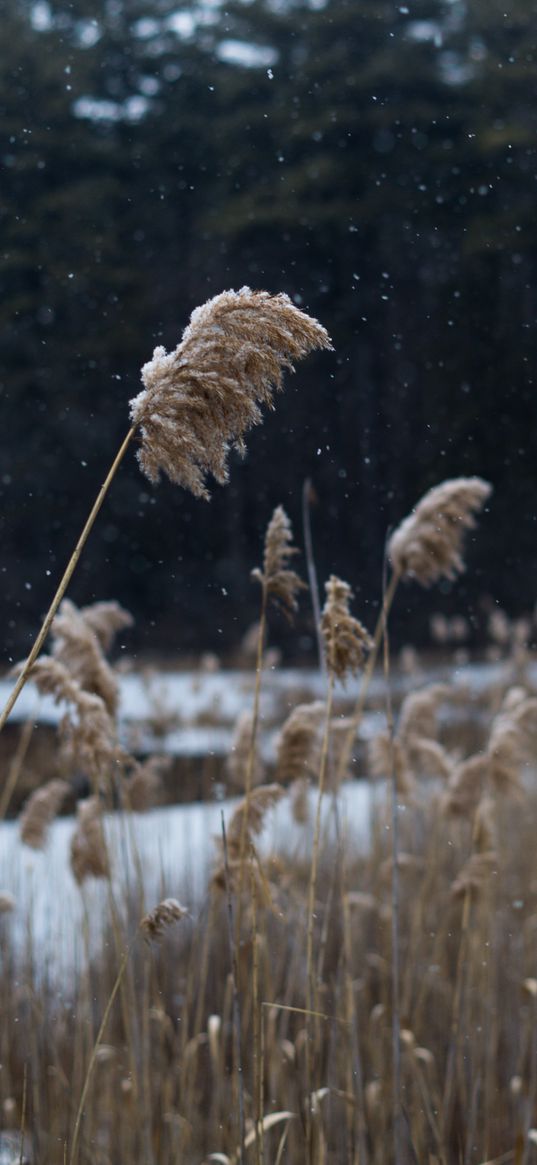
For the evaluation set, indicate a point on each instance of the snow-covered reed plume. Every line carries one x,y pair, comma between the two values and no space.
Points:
199,400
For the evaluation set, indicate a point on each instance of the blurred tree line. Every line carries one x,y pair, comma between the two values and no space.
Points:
376,161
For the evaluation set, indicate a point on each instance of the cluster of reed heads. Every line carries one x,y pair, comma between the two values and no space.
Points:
325,1007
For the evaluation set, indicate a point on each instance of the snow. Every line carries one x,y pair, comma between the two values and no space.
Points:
174,847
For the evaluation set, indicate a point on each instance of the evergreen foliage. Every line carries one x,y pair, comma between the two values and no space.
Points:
377,164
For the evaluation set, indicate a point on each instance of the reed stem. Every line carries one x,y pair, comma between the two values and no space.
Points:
68,573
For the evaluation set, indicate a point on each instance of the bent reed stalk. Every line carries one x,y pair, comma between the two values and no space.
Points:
66,578
199,401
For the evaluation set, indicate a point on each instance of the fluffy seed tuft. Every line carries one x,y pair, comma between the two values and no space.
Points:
200,400
280,584
154,924
39,811
427,546
346,641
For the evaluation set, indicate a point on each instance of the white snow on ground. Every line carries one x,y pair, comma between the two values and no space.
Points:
176,848
193,714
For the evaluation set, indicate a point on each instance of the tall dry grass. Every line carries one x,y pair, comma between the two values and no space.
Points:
324,1007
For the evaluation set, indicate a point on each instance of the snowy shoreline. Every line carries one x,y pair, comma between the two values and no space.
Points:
176,849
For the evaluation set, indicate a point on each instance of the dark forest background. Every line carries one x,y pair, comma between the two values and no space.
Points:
376,161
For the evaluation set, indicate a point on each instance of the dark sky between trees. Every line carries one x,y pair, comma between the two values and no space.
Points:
377,162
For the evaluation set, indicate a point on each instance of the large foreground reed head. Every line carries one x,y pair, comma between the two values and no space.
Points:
201,399
427,546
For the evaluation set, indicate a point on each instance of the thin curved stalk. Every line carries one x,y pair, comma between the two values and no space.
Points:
356,718
68,573
311,993
93,1057
312,570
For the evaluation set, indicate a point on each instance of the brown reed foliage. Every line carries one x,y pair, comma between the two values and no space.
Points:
297,747
254,810
419,710
280,584
466,786
427,546
200,400
89,857
238,760
144,784
76,645
383,752
346,640
164,915
40,810
106,619
244,826
87,731
7,902
476,874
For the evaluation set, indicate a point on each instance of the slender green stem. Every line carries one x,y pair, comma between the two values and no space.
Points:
69,571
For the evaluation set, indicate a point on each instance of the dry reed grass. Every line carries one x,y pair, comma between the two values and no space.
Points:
278,1003
199,400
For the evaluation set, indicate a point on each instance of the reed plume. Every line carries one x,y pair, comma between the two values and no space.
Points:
385,755
200,399
466,785
476,874
76,645
39,811
105,620
280,584
427,546
239,757
418,715
7,902
346,641
298,744
144,784
244,827
254,813
154,924
86,730
89,857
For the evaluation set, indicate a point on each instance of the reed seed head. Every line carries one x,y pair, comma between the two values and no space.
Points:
297,748
199,400
89,856
87,730
238,761
254,808
144,784
279,583
39,811
154,924
476,875
76,645
105,620
346,640
427,546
